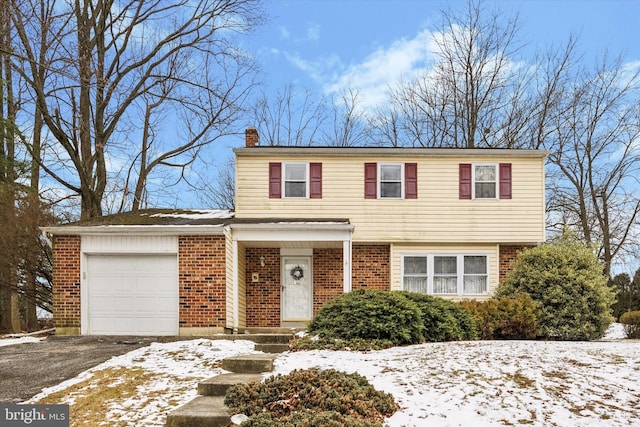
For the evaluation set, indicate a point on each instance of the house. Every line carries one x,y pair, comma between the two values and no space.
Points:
310,224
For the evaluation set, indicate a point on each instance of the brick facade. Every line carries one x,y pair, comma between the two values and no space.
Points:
508,255
327,276
263,297
371,268
202,281
66,282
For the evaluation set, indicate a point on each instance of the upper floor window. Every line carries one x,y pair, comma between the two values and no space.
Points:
390,180
485,181
295,180
446,274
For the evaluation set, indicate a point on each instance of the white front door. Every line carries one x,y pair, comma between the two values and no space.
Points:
297,289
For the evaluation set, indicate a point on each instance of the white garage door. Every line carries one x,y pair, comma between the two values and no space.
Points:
132,294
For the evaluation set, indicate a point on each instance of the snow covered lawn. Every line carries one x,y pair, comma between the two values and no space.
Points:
480,383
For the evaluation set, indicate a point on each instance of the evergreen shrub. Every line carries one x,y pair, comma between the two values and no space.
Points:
504,318
443,320
631,322
370,315
566,282
311,397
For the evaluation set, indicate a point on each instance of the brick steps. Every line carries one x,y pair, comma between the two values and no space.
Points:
208,409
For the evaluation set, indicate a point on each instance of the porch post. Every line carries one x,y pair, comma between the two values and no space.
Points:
236,287
346,268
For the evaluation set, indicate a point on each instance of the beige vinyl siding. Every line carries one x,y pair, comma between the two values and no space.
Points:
492,251
437,215
230,294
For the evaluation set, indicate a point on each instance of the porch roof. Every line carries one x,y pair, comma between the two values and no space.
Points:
287,233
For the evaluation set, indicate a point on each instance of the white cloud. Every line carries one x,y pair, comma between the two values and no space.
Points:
313,31
384,68
284,33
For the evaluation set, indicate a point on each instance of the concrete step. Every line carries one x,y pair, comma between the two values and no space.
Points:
271,347
272,338
218,385
249,363
203,411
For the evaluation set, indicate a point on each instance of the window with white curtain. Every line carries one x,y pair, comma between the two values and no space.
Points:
458,274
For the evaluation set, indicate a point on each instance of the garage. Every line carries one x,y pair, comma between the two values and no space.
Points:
132,294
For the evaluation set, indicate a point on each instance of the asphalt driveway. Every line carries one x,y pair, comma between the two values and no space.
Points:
25,369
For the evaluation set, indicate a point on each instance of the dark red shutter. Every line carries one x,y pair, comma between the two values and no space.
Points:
505,180
410,180
370,180
275,180
315,180
465,181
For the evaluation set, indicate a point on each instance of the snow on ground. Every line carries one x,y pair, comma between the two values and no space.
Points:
493,383
170,372
20,340
479,383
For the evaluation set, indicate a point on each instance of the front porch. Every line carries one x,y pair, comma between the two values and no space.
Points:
284,272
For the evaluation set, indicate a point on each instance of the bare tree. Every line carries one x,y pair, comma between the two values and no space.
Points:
475,94
109,61
291,118
596,159
220,194
349,125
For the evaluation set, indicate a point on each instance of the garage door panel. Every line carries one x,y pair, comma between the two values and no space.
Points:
132,294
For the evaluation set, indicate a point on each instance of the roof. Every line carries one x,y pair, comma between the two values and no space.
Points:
183,221
388,151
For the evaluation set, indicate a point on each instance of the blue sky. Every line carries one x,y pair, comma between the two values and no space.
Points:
326,45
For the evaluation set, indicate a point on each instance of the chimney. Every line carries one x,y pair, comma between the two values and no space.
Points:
251,137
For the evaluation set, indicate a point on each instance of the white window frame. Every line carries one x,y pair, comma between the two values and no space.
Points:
284,180
379,183
460,273
495,183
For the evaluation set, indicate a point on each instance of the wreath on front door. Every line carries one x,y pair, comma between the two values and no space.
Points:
297,273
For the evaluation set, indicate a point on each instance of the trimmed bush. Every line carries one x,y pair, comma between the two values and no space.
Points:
443,320
311,397
566,282
307,419
631,322
504,318
370,315
352,344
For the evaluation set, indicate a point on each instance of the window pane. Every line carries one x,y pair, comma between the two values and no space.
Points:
390,189
415,265
486,173
295,173
485,190
475,284
445,285
295,189
445,265
415,284
475,264
390,173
